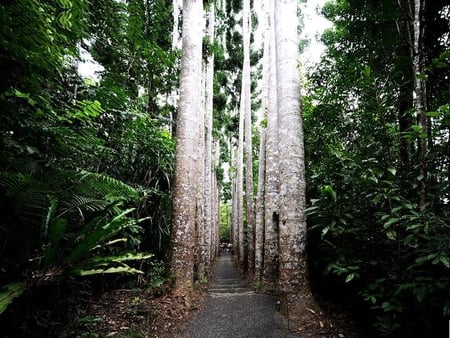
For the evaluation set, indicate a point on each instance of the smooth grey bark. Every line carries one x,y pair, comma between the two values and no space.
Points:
294,282
234,209
217,203
246,107
240,191
200,225
271,212
260,202
175,15
259,208
184,213
208,180
216,213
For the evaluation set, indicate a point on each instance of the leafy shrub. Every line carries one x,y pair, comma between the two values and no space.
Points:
394,254
81,231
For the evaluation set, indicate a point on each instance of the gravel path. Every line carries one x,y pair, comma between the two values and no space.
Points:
233,310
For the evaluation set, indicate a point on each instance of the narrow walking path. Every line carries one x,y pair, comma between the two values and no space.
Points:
233,310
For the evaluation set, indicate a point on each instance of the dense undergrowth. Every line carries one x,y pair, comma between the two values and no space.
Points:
378,213
85,164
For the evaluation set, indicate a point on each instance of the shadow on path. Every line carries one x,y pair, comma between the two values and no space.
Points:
233,310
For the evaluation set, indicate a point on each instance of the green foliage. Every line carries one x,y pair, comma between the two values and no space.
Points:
225,222
156,275
9,292
394,253
78,233
86,166
372,239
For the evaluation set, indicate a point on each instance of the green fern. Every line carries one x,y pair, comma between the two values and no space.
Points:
82,204
72,225
100,235
106,186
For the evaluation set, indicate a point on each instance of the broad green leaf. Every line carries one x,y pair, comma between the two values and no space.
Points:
373,179
393,171
414,226
325,231
391,234
391,221
434,114
445,260
120,269
394,210
100,235
9,292
311,210
350,277
122,258
57,229
420,293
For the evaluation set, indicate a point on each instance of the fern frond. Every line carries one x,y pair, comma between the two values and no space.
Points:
81,203
105,185
13,183
29,198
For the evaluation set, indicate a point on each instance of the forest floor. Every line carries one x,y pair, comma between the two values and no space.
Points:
141,312
133,313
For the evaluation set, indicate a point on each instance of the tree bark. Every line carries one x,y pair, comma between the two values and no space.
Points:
175,15
294,283
184,213
271,213
208,197
246,106
235,208
240,192
259,217
217,201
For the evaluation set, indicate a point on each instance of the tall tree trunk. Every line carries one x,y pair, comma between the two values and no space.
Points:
259,215
200,225
175,15
246,106
240,191
294,282
172,98
216,201
208,197
235,208
271,213
184,213
260,202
